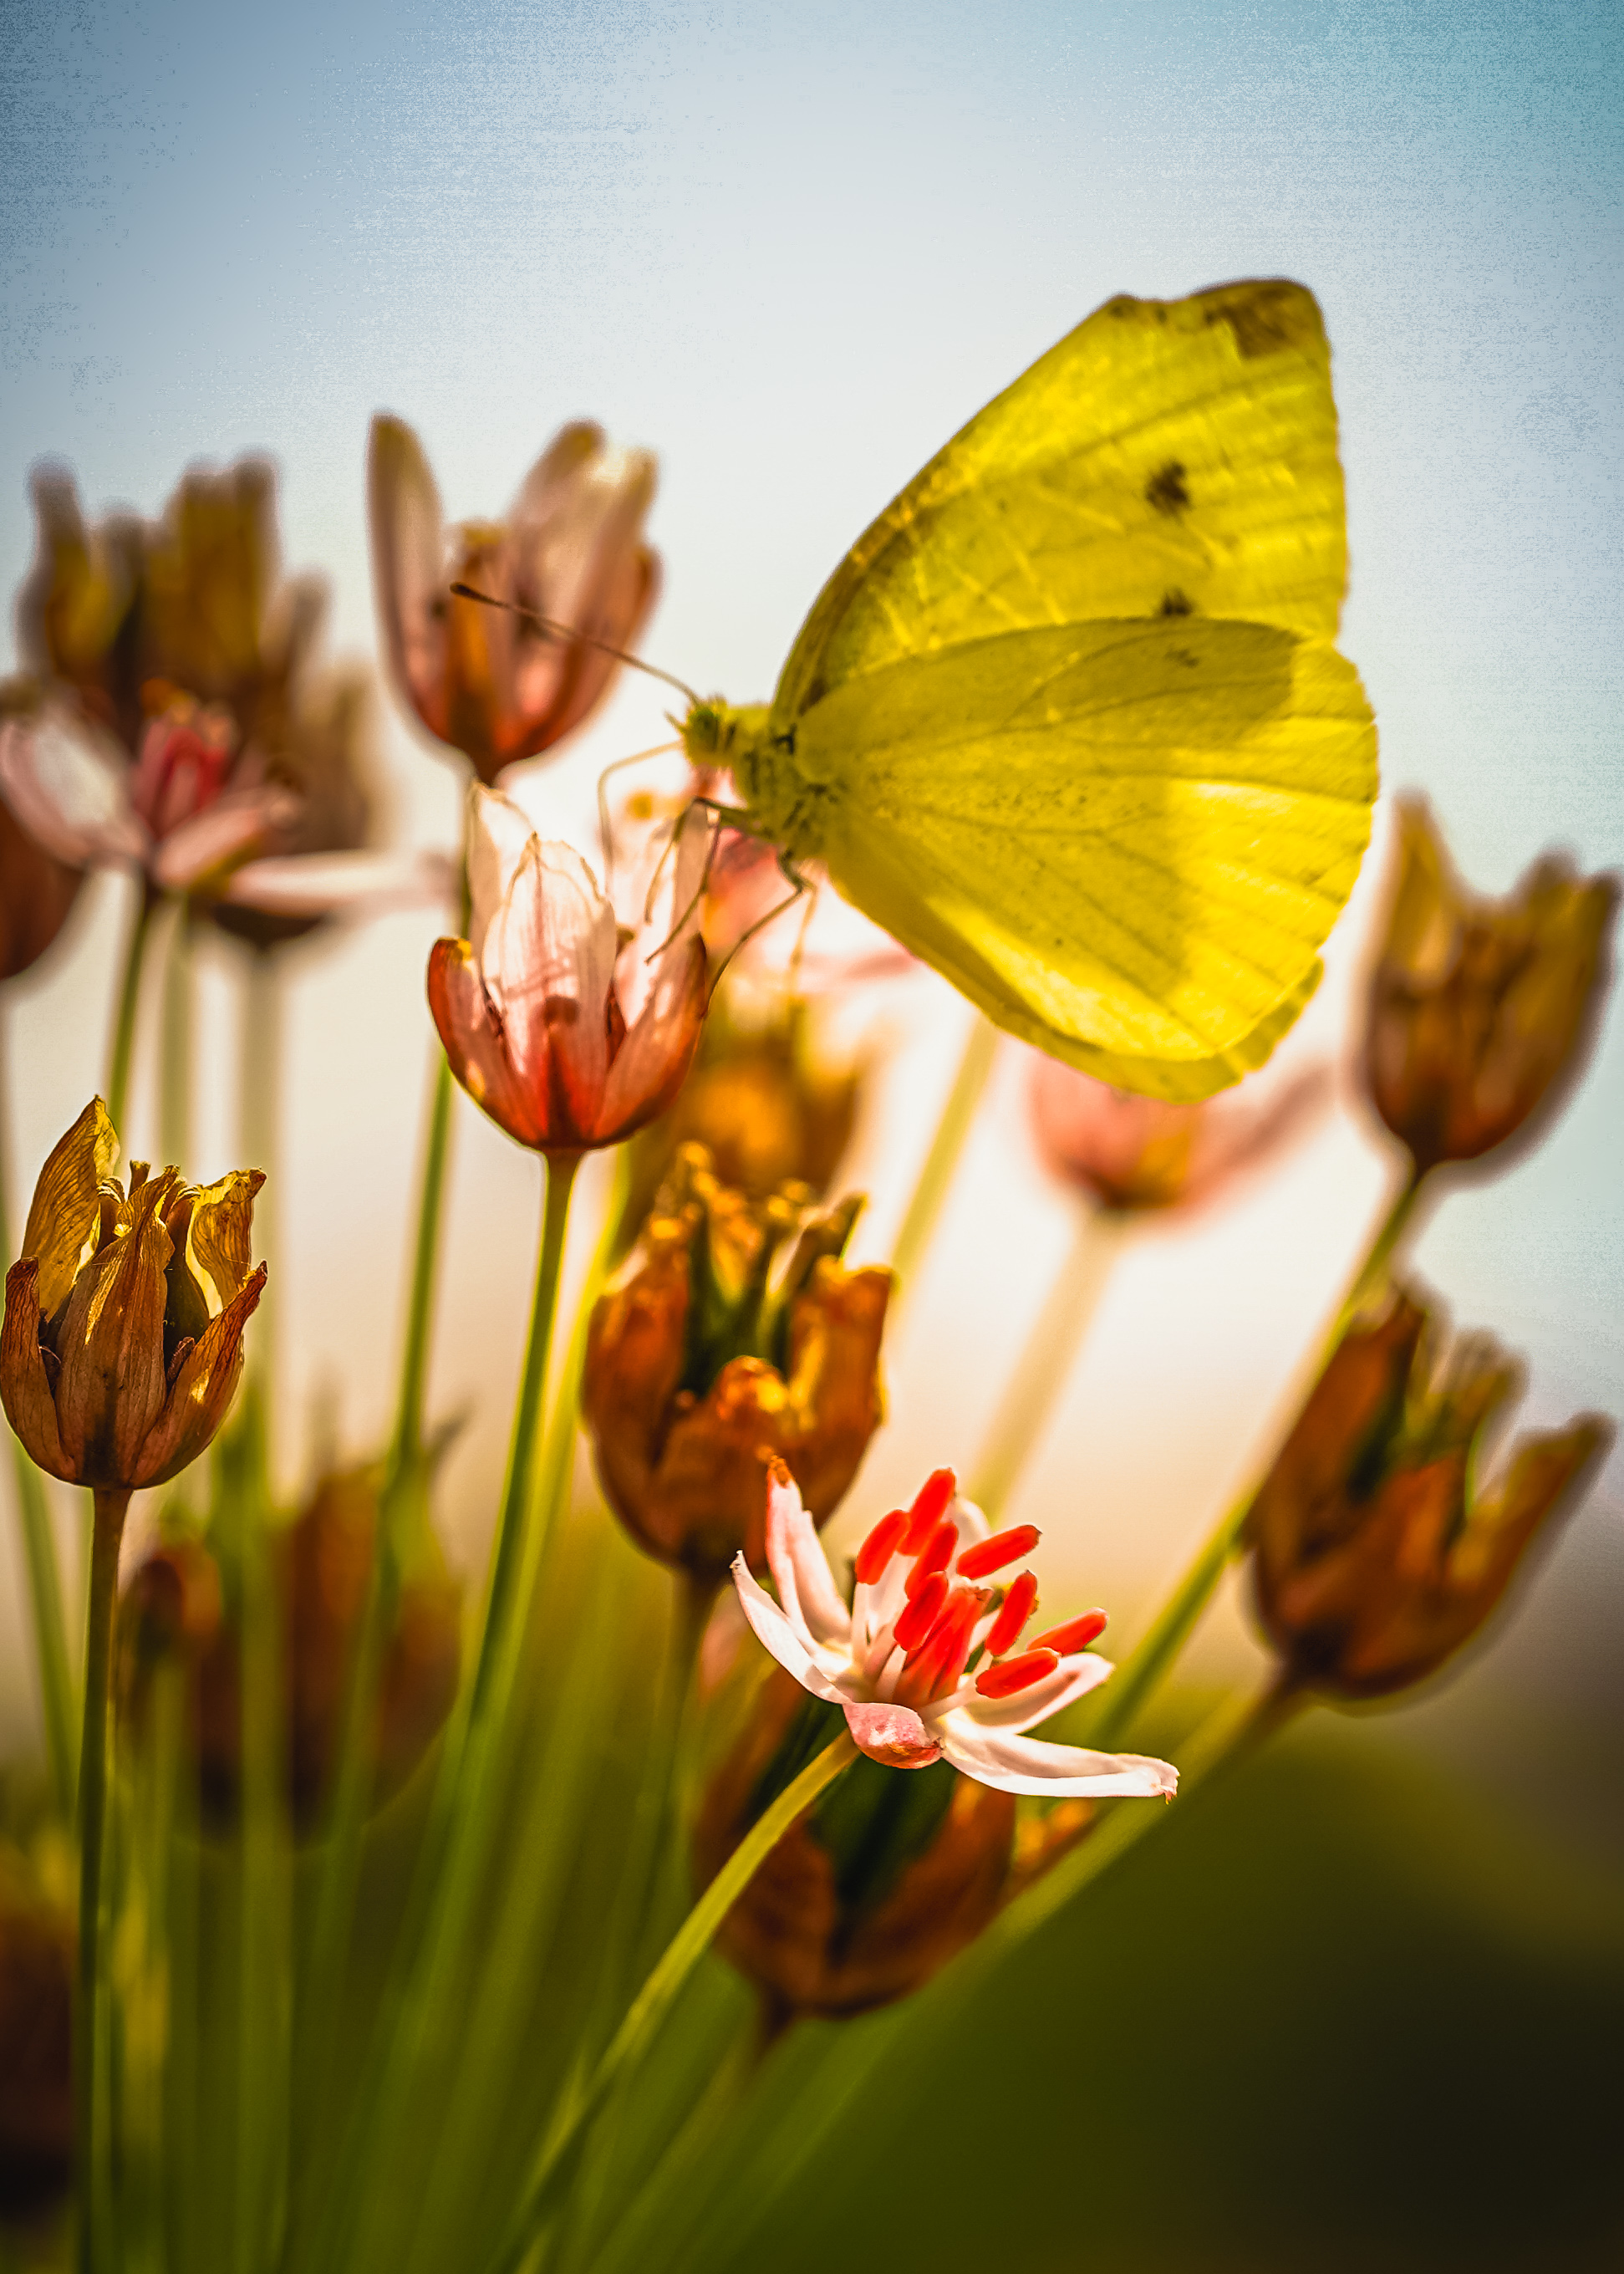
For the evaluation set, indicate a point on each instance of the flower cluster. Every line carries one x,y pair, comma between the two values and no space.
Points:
930,1663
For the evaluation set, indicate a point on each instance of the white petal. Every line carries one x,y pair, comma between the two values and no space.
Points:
787,1642
1026,1764
234,824
497,832
812,1589
340,884
1073,1678
971,1524
69,794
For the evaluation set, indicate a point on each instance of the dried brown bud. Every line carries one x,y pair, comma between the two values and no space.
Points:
1481,1010
732,1334
877,1886
1377,1554
122,1344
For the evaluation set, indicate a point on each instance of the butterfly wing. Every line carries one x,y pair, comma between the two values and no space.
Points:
1126,840
1068,713
1166,456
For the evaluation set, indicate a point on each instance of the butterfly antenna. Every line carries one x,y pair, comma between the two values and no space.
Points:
605,829
555,630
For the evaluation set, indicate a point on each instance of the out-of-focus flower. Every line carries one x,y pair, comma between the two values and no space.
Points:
36,2091
37,887
124,1314
173,1604
732,1336
496,685
897,1662
186,729
870,1893
1136,1153
1377,1552
569,1033
1481,1010
767,1109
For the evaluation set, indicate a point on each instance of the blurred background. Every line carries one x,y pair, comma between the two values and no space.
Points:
1365,2014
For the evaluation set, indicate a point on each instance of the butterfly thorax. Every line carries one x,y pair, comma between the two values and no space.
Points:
781,804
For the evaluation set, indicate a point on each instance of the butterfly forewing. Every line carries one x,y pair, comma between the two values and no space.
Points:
1167,458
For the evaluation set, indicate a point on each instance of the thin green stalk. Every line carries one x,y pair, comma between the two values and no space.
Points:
637,2032
264,1920
175,1042
1143,1670
941,1162
260,1094
351,1797
463,1813
637,1892
147,903
58,1705
95,2239
1045,1363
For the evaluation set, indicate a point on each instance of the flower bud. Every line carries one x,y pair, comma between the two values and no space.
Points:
766,1107
323,1565
1377,1551
36,2091
37,886
882,1881
122,1344
1481,1010
1136,1153
494,684
732,1334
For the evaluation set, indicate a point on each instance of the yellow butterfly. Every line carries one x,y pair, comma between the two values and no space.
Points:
1068,721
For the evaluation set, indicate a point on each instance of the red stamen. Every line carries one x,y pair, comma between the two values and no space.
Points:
881,1544
935,1555
926,1513
934,1669
1016,1673
919,1616
1017,1607
1076,1634
1003,1547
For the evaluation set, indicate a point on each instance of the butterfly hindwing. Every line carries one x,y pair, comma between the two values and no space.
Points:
1173,457
1127,841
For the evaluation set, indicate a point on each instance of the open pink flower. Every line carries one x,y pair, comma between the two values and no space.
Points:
494,685
569,1032
899,1659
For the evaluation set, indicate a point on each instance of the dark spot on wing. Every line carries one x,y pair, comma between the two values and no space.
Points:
1177,603
1165,490
1268,316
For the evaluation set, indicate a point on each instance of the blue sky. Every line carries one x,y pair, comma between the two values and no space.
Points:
793,247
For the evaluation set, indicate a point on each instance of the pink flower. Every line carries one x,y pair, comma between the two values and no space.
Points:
569,1033
898,1660
1136,1152
188,821
489,683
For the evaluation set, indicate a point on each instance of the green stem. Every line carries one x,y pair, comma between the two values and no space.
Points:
424,1267
259,1107
941,1162
129,1003
50,1632
95,2238
463,1813
1143,1670
653,2001
1045,1364
175,1043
